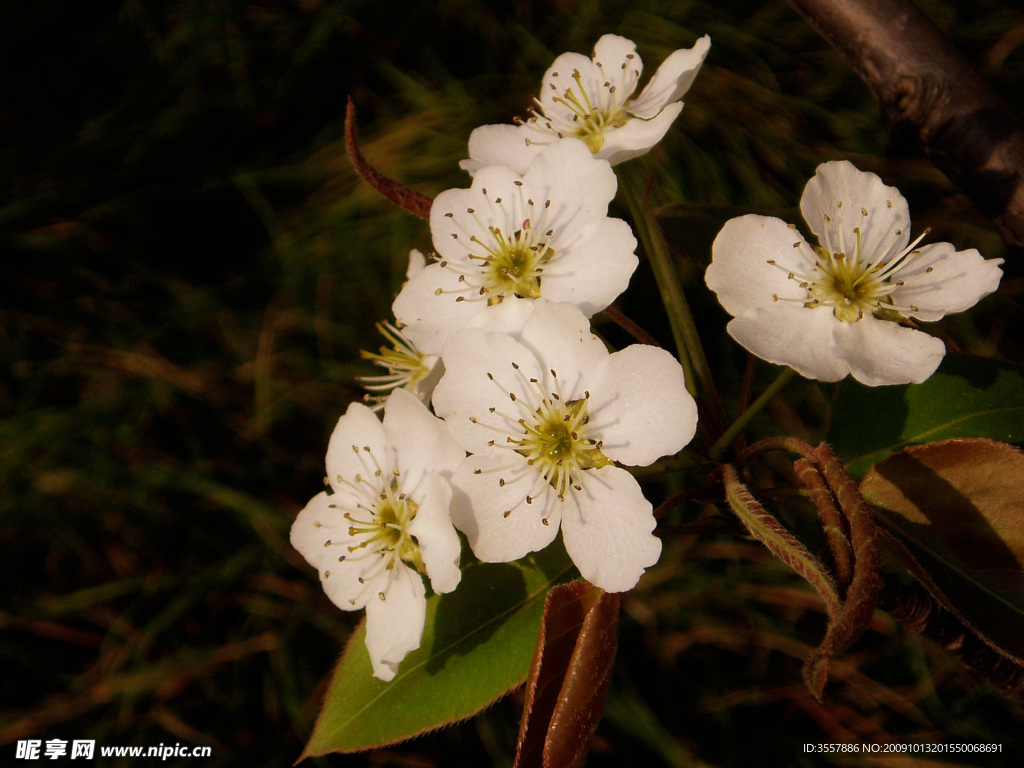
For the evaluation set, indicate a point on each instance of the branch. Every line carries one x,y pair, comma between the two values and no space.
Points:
923,84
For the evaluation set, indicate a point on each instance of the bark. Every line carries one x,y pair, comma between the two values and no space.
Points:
924,86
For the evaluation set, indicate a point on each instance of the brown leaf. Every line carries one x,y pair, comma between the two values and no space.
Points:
569,676
957,509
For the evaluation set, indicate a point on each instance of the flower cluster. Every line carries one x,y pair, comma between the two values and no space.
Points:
507,419
533,416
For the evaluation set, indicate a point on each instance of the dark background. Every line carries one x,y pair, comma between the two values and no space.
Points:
189,270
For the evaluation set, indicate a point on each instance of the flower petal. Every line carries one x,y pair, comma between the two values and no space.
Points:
673,79
495,482
941,280
434,533
607,529
579,186
611,52
637,136
431,317
422,443
506,145
559,80
358,429
454,218
417,261
394,623
740,272
840,199
320,534
475,396
639,407
791,334
595,269
882,352
559,335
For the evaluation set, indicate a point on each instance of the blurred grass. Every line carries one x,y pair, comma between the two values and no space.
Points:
191,268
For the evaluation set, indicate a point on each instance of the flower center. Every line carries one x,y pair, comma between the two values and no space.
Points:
847,286
378,520
502,265
852,285
556,443
587,114
513,265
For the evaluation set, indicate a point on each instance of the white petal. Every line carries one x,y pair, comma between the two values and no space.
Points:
320,534
739,271
559,79
882,352
359,428
559,335
673,79
394,625
422,443
452,223
430,318
434,533
611,51
478,383
595,269
505,145
481,501
607,529
843,193
637,136
790,334
941,280
639,406
579,186
417,261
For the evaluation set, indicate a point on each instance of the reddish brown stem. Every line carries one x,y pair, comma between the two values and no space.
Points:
397,193
616,315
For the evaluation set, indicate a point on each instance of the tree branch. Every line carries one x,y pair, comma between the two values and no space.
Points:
923,84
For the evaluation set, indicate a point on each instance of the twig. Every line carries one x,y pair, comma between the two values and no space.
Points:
922,83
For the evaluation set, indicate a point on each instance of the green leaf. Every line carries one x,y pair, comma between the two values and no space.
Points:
477,645
958,508
569,676
967,397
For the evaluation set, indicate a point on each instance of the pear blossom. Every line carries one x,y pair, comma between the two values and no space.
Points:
385,522
406,366
545,418
847,305
512,238
591,99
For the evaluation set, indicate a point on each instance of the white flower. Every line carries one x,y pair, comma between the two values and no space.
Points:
545,418
407,368
591,100
386,521
510,239
844,306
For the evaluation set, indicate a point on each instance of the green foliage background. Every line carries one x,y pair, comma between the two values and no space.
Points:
190,268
